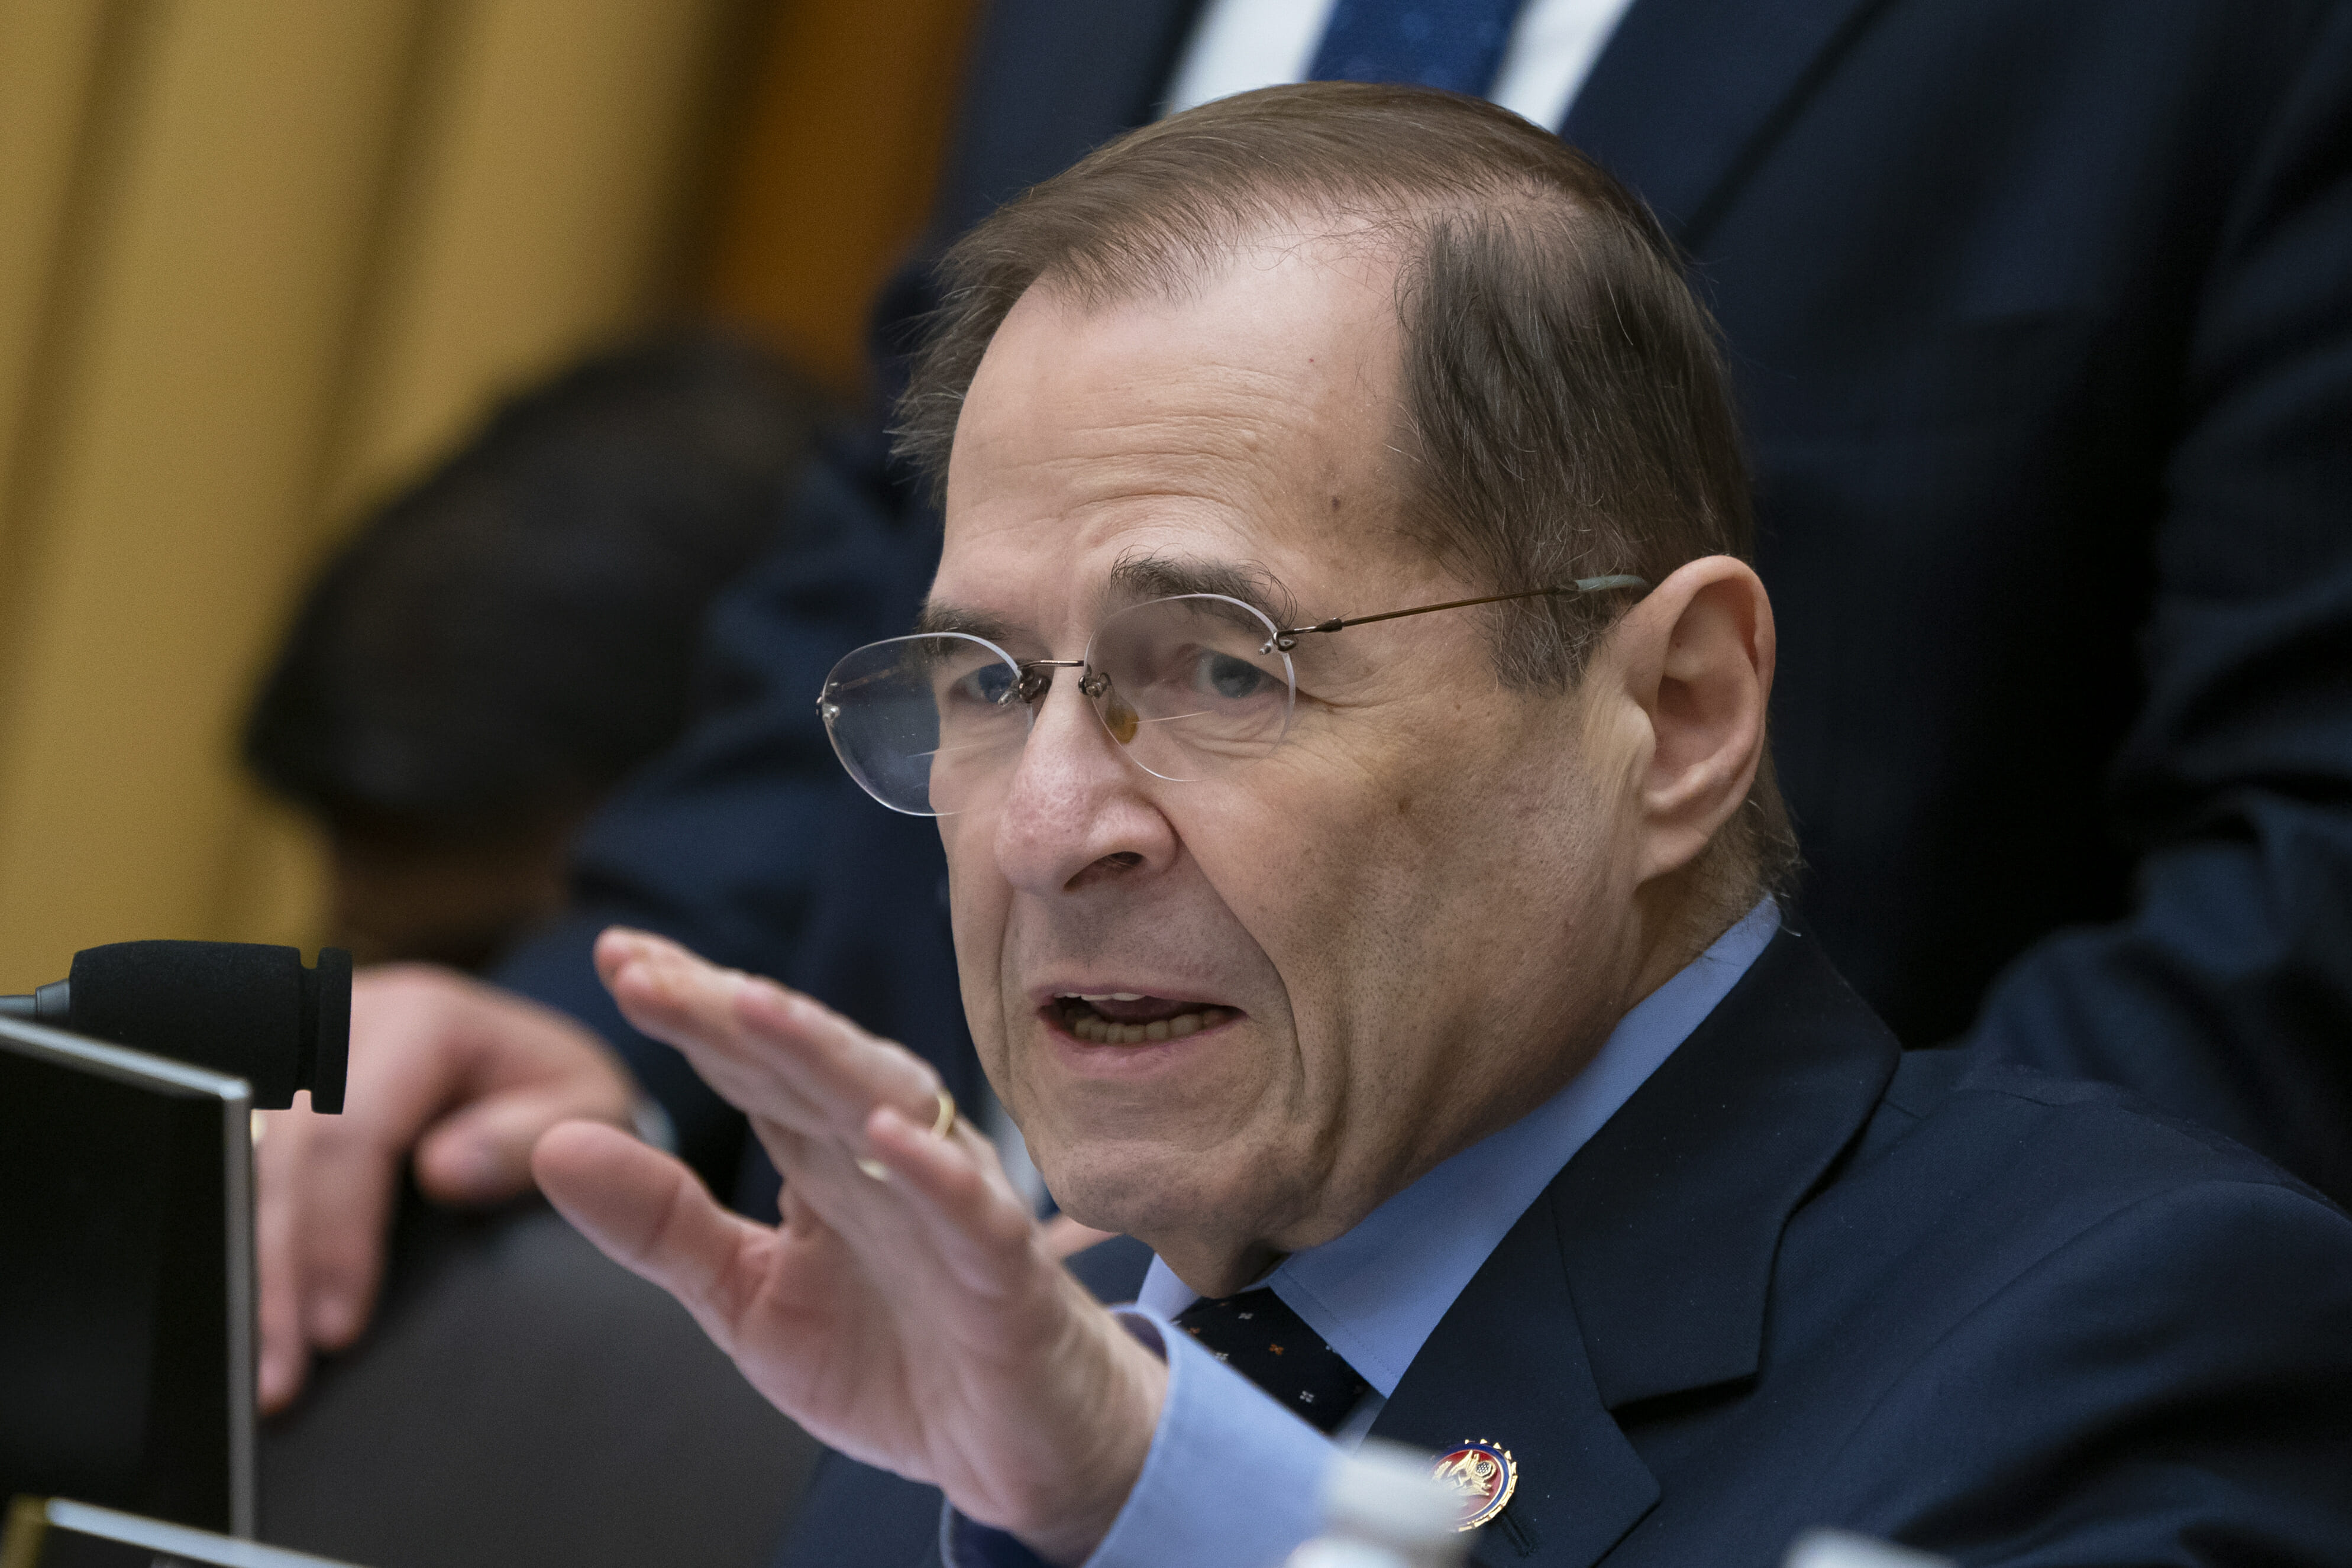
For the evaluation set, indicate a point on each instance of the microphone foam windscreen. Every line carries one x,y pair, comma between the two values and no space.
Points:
234,1007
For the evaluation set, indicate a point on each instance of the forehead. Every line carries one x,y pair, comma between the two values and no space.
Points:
1245,421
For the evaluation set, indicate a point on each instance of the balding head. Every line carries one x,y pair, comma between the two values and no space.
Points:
1560,410
1255,925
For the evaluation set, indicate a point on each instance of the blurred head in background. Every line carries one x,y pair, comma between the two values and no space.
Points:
501,642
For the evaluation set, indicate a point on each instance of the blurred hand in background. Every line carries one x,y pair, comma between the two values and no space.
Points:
465,1075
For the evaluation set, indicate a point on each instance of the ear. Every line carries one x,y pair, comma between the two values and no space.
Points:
1695,659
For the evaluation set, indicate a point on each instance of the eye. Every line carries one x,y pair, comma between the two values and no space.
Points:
1233,679
992,684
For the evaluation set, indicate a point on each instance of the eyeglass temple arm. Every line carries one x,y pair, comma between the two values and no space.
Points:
1582,585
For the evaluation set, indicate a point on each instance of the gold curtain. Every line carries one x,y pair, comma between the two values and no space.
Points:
256,258
833,171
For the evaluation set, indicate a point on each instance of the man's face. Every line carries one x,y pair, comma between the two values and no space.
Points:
1412,918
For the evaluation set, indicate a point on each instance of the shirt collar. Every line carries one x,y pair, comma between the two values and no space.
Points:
1376,1293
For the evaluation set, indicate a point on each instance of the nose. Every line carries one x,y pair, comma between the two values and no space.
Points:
1075,812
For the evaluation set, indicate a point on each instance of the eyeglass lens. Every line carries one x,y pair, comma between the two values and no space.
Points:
931,725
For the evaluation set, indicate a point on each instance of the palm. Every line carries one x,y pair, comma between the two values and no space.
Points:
921,1323
899,1345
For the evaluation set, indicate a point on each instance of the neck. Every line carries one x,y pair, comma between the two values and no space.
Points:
1218,1271
1683,914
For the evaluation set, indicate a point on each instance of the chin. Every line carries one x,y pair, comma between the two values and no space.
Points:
1151,1188
1130,1190
1145,1140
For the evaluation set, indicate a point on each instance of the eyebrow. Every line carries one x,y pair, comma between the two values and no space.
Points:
1140,577
1134,578
939,617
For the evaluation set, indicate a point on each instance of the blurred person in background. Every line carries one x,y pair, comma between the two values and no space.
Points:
2039,317
499,642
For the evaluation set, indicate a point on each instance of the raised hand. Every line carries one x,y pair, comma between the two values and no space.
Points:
921,1322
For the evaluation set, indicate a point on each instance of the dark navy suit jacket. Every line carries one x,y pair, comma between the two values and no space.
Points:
1805,1278
2041,313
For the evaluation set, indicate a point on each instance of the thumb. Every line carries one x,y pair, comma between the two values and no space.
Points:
649,1213
482,1153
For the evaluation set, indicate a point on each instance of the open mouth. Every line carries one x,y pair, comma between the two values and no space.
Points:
1126,1018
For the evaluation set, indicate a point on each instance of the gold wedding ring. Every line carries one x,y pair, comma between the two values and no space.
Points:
941,1125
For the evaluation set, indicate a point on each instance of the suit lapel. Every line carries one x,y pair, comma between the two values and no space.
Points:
1669,1221
1689,94
1507,1364
1644,1267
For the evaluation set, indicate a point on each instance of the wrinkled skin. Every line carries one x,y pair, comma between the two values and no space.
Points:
1417,918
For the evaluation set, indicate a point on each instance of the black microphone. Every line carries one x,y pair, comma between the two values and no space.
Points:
235,1007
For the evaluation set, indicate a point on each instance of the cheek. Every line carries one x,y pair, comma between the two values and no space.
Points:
1324,861
1388,890
1253,834
979,901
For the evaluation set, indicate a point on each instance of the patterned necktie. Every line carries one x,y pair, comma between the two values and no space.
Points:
1272,1347
1453,44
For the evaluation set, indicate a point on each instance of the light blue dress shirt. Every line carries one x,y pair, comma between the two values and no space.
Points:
1234,1478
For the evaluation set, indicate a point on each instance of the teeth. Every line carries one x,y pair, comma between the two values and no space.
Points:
1102,1031
1113,997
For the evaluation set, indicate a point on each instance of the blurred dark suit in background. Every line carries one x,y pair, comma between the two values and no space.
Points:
2041,317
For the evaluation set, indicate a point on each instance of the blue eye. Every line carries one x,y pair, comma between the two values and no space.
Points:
991,684
1233,679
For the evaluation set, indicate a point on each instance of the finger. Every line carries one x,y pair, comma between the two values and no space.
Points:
284,1353
481,1153
769,1050
646,1211
847,1069
344,1213
691,1004
416,1038
979,1226
665,991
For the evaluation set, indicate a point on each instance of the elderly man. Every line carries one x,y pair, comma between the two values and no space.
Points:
1343,701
